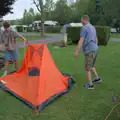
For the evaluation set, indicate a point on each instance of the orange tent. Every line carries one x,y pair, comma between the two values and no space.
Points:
38,81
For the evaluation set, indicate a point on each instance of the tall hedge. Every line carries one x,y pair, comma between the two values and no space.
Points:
53,29
73,34
19,28
103,34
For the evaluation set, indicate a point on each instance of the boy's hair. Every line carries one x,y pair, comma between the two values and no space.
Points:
86,17
6,24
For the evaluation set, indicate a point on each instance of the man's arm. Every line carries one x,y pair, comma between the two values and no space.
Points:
80,43
97,40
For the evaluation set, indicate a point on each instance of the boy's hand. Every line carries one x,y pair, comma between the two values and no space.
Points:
25,41
1,46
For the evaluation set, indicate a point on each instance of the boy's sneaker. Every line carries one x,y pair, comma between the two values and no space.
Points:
88,86
98,80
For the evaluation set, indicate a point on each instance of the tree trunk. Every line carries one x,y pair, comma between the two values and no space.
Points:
42,22
42,17
42,28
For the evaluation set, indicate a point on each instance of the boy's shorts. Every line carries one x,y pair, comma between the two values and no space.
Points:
8,54
90,59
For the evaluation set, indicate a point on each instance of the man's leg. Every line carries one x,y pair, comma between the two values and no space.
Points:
97,78
95,72
88,61
88,73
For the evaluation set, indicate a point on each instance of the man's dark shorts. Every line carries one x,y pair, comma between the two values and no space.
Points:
90,59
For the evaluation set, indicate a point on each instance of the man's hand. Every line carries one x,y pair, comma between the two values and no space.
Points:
76,54
78,47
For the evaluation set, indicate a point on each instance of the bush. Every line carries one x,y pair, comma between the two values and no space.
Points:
73,34
103,34
19,28
53,29
29,29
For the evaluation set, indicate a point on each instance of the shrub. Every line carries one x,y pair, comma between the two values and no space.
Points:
53,29
73,34
103,34
29,29
19,28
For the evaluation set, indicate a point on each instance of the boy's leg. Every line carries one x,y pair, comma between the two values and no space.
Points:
7,57
15,58
16,64
6,65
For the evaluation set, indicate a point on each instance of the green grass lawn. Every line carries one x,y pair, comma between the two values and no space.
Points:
32,38
115,35
79,103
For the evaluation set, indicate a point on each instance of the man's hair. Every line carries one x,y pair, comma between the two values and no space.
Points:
6,24
86,17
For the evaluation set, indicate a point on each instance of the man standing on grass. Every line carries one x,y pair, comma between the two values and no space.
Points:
8,37
88,41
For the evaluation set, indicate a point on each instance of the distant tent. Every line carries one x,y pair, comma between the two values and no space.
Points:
38,81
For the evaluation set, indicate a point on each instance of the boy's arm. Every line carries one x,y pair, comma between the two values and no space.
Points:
1,41
1,38
23,38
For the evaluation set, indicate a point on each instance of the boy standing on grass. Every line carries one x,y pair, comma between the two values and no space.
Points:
8,37
88,41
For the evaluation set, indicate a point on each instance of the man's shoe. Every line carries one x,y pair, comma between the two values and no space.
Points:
97,80
88,86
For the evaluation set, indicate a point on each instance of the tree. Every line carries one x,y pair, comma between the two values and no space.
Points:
40,8
62,12
31,16
28,16
93,11
49,7
31,11
16,22
111,8
37,16
25,17
5,7
80,8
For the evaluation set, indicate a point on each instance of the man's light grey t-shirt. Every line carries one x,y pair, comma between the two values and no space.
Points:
88,32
